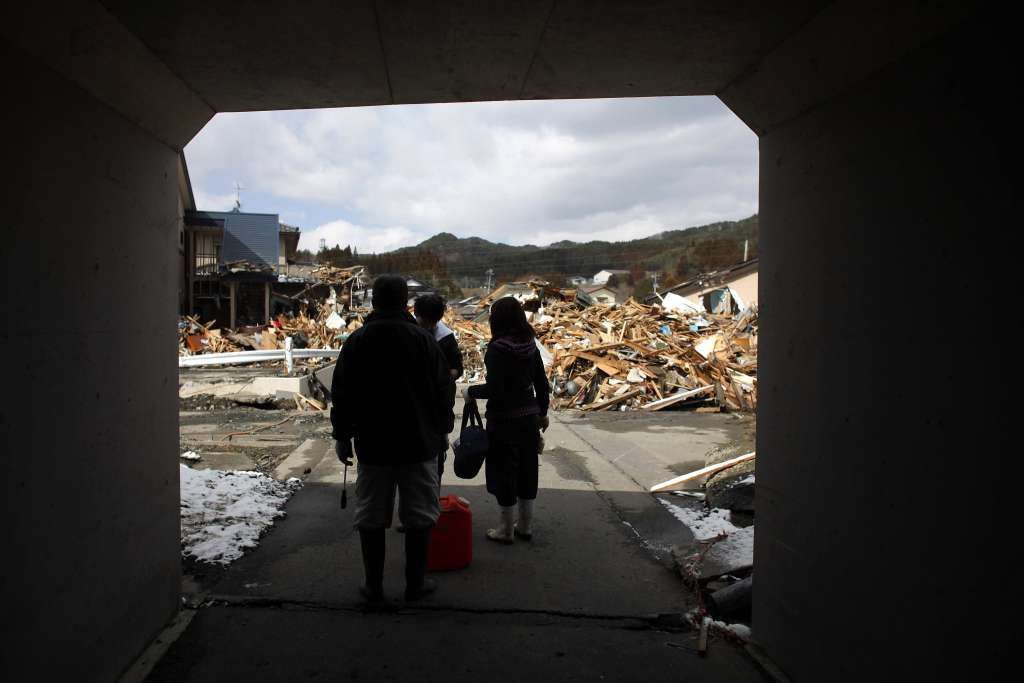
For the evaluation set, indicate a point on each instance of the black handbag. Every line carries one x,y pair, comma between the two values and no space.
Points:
471,447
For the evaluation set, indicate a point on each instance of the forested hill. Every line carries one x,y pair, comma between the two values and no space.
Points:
676,255
681,253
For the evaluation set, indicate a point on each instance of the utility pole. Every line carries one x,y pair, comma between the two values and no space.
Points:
490,274
654,281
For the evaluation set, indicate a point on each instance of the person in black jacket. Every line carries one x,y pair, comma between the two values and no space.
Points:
429,309
517,394
391,396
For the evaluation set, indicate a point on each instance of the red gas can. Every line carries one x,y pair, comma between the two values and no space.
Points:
451,541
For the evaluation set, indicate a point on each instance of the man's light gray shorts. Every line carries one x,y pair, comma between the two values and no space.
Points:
417,483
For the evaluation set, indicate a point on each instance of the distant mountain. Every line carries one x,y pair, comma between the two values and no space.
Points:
678,254
451,263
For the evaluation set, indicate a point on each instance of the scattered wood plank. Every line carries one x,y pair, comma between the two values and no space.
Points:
614,400
257,430
676,482
312,402
676,398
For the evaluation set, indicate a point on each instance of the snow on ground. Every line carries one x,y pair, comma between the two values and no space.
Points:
737,550
704,524
741,631
223,513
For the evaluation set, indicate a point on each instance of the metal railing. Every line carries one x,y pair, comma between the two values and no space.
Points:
287,354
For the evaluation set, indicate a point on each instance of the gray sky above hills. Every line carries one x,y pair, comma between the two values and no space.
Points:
379,178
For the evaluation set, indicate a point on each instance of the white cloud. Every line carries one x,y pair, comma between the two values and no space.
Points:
515,172
343,233
213,202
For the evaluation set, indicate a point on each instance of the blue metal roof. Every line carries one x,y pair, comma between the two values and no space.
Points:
251,237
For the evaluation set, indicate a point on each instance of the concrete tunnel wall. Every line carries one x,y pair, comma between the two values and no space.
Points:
877,211
89,425
871,199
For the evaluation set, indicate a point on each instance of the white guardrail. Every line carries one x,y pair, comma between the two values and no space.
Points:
287,354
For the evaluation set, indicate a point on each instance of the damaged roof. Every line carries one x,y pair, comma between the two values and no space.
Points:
714,278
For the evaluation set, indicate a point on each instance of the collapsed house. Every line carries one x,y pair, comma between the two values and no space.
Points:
724,291
232,261
326,316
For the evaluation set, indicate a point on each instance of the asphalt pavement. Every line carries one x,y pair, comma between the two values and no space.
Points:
594,596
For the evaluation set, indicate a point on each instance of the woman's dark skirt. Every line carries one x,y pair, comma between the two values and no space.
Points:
511,465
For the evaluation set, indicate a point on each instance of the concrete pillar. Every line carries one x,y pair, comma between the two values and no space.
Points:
878,205
89,424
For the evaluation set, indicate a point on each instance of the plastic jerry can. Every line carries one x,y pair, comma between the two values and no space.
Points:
451,540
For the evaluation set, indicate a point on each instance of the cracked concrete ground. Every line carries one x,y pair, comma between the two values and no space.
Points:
594,596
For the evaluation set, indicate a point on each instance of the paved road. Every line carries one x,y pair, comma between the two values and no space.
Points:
582,601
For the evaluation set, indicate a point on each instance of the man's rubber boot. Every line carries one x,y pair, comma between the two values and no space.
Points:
417,544
372,541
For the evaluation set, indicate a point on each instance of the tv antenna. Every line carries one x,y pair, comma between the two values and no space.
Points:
238,195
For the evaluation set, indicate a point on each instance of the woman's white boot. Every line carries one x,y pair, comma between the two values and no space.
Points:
503,532
524,525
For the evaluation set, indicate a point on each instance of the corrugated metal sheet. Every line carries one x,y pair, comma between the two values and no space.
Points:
251,237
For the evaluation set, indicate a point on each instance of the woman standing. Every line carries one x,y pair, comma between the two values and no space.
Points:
517,394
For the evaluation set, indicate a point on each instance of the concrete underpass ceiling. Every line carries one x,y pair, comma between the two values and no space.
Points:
324,53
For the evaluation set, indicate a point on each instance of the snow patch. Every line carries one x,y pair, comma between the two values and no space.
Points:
223,513
736,550
741,631
705,524
190,455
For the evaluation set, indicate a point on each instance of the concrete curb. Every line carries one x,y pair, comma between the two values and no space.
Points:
301,462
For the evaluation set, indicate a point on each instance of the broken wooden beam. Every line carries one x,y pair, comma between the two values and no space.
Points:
675,482
675,398
612,401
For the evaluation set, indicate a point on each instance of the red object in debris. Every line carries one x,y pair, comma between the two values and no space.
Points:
451,540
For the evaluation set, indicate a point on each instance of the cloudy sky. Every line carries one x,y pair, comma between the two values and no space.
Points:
535,172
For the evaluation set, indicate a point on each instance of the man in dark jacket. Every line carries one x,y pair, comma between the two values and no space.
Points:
391,396
429,310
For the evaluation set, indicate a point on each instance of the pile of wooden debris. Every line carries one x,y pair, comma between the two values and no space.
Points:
647,358
627,356
194,337
326,330
334,320
326,274
636,357
244,266
472,339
